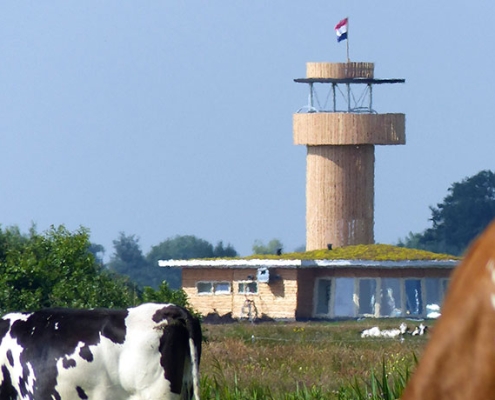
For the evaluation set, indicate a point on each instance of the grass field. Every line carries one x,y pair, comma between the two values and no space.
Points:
314,360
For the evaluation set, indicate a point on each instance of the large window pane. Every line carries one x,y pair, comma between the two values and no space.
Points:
204,287
433,294
222,288
344,293
391,301
414,302
248,287
367,296
323,296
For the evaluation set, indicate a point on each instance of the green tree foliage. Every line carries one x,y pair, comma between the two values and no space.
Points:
129,260
181,248
185,247
273,247
54,268
98,252
300,249
464,213
220,251
165,294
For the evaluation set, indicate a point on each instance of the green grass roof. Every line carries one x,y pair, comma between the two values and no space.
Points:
375,252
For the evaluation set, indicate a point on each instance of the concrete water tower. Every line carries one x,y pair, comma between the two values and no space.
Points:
340,136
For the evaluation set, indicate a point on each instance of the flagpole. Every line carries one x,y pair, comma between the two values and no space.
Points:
347,41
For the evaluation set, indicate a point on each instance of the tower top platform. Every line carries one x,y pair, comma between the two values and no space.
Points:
350,72
368,81
340,70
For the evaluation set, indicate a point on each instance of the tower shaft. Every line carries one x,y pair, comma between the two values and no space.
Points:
339,195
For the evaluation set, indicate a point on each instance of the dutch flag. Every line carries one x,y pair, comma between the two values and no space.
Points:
341,30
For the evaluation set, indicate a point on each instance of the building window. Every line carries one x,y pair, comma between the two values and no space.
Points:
344,297
323,296
391,297
204,287
414,297
367,296
248,287
221,287
213,287
435,292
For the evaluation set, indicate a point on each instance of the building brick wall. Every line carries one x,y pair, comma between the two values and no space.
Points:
277,299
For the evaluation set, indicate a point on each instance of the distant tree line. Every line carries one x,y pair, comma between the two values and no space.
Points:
464,213
129,260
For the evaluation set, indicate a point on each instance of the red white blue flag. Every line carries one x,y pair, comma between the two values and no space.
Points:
341,30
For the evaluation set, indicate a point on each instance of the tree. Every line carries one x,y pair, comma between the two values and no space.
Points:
464,213
300,249
184,248
221,251
98,252
55,268
128,260
274,246
165,294
128,256
181,248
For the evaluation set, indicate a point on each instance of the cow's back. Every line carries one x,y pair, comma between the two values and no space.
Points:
95,354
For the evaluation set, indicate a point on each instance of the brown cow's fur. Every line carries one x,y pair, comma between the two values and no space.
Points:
459,359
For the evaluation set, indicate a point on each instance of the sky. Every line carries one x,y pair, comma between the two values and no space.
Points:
164,118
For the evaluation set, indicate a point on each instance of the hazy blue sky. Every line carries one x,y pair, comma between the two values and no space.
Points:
159,118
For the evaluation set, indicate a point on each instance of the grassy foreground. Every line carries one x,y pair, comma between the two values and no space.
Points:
314,360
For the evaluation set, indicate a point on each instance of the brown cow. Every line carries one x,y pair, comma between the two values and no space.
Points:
459,359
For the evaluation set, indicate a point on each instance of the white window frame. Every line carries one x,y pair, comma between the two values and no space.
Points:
213,288
246,283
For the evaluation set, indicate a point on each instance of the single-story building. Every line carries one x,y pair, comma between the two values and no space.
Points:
348,282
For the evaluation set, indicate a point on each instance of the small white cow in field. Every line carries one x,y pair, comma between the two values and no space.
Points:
459,360
149,352
385,333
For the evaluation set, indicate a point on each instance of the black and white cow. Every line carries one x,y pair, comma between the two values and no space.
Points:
147,352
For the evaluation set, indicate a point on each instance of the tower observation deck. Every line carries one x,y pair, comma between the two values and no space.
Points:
340,136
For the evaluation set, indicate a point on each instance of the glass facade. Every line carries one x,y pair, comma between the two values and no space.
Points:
379,297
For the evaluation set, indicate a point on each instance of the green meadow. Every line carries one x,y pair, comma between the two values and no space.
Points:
313,360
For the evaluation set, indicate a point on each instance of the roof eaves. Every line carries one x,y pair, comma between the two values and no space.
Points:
280,263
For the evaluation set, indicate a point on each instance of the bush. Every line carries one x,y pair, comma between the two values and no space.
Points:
54,269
